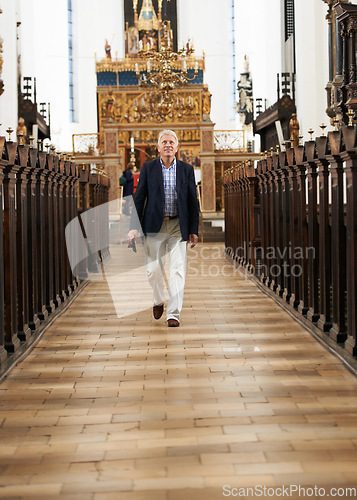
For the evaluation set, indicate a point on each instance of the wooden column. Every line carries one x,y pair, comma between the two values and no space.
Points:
278,198
61,227
238,222
302,230
3,352
22,247
74,212
83,206
252,183
263,189
56,236
12,342
350,157
67,219
269,258
338,331
41,234
234,220
32,254
286,270
294,240
49,295
274,211
324,321
72,215
313,233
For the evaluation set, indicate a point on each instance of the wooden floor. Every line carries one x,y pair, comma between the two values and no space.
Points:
109,407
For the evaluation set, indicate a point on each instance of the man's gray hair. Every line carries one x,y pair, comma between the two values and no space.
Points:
167,132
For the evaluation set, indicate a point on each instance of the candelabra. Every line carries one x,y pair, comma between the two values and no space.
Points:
164,73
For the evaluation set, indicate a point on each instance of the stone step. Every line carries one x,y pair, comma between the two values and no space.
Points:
212,231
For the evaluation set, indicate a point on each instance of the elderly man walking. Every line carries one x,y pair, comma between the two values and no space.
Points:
167,208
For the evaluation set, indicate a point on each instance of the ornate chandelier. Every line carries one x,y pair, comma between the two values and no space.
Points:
164,72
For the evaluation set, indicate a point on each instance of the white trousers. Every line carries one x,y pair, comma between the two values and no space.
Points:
167,241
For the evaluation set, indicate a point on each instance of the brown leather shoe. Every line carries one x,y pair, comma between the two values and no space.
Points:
157,311
173,322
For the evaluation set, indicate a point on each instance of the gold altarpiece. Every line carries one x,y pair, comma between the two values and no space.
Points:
130,109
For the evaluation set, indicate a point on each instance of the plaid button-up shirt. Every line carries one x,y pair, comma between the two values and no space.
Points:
169,175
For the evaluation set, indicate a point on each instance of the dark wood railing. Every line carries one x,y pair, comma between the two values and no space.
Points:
38,198
291,222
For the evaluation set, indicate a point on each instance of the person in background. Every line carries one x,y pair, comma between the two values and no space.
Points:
129,186
167,208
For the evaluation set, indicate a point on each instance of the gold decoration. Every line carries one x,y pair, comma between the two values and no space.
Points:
310,132
9,131
163,80
143,107
322,127
20,138
147,18
294,130
350,117
140,64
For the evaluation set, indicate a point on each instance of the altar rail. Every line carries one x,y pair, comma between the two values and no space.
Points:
291,223
38,198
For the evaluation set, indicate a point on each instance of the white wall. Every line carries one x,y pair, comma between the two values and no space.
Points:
96,21
311,65
258,33
45,56
44,50
209,24
8,100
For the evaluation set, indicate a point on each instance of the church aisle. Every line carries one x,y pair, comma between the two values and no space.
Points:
108,408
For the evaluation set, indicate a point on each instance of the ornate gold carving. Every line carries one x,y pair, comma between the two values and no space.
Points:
147,18
141,107
206,101
140,63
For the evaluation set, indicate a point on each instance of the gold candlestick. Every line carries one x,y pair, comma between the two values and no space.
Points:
9,131
350,117
322,127
20,138
310,132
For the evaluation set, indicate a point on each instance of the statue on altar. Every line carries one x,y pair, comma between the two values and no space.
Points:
22,129
294,130
206,102
109,107
245,92
108,50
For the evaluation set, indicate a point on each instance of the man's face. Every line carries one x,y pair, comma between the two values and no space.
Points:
167,146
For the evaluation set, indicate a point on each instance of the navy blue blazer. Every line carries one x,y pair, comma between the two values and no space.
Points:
149,198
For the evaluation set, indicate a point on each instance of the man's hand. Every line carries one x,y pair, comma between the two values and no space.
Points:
132,235
193,239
